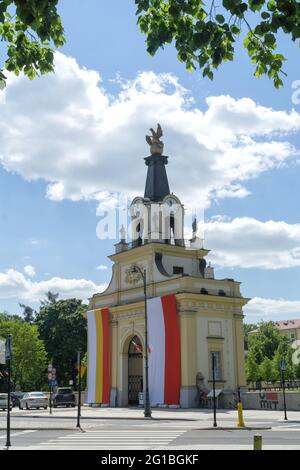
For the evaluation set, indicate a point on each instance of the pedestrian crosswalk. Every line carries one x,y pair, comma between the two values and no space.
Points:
112,439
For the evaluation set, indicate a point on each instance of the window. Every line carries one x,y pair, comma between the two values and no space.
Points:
218,369
178,270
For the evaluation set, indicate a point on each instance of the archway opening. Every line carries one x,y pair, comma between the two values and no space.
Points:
135,370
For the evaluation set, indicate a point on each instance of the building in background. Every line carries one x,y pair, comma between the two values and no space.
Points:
289,328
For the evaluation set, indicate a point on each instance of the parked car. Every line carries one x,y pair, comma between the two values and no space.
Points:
34,400
4,401
64,396
15,397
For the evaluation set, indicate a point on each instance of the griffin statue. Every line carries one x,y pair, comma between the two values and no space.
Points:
156,145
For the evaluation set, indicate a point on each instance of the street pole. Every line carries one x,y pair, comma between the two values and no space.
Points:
79,389
50,404
147,412
283,389
214,389
8,361
147,407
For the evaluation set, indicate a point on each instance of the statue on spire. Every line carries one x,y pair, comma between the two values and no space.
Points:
156,145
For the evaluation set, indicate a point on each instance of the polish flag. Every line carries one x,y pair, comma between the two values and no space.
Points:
164,360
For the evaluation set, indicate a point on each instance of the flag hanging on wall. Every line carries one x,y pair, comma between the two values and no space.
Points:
99,375
164,358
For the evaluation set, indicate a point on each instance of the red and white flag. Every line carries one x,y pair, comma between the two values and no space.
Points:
164,360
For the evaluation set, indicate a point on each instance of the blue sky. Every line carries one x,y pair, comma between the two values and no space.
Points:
56,235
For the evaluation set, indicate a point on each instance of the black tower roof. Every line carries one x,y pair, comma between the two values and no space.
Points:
157,185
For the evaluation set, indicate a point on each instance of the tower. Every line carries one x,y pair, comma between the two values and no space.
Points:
208,310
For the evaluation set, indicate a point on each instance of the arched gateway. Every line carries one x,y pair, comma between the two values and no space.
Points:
192,316
135,370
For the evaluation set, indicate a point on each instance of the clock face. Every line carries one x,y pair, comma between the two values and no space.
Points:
171,202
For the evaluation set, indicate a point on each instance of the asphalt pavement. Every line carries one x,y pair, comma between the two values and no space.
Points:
127,429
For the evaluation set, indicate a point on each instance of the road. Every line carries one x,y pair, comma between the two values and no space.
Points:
108,430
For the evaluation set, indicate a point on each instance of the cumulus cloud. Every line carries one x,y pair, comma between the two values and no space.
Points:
250,243
29,270
14,285
272,309
66,129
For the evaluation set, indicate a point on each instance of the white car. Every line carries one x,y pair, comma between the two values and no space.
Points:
4,401
34,400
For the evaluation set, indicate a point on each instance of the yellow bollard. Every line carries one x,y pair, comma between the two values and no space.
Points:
240,423
257,442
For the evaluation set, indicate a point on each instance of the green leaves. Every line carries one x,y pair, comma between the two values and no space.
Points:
28,353
63,329
28,36
205,34
220,19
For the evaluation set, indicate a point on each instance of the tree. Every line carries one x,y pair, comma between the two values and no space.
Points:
252,369
51,298
265,342
5,316
248,327
284,352
267,347
28,313
28,354
28,27
266,370
63,329
205,32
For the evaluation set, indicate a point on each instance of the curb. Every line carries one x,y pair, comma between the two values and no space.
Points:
141,418
41,429
234,428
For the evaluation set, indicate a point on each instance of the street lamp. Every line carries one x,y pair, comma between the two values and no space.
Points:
52,383
283,369
79,388
147,409
214,387
8,362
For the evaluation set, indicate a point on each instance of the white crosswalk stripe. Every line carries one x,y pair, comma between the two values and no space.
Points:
112,439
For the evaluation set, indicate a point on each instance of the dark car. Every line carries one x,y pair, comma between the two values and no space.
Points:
64,396
15,398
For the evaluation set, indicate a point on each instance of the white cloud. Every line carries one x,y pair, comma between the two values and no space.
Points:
272,309
67,130
250,243
29,270
102,267
14,285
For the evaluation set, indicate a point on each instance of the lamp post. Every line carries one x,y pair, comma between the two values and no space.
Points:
147,408
214,387
8,362
52,382
283,369
79,388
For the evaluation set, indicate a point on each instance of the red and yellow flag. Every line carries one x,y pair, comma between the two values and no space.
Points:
99,367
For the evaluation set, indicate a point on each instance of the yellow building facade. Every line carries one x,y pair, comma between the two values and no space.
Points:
210,310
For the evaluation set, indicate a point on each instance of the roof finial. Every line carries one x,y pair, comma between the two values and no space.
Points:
156,145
